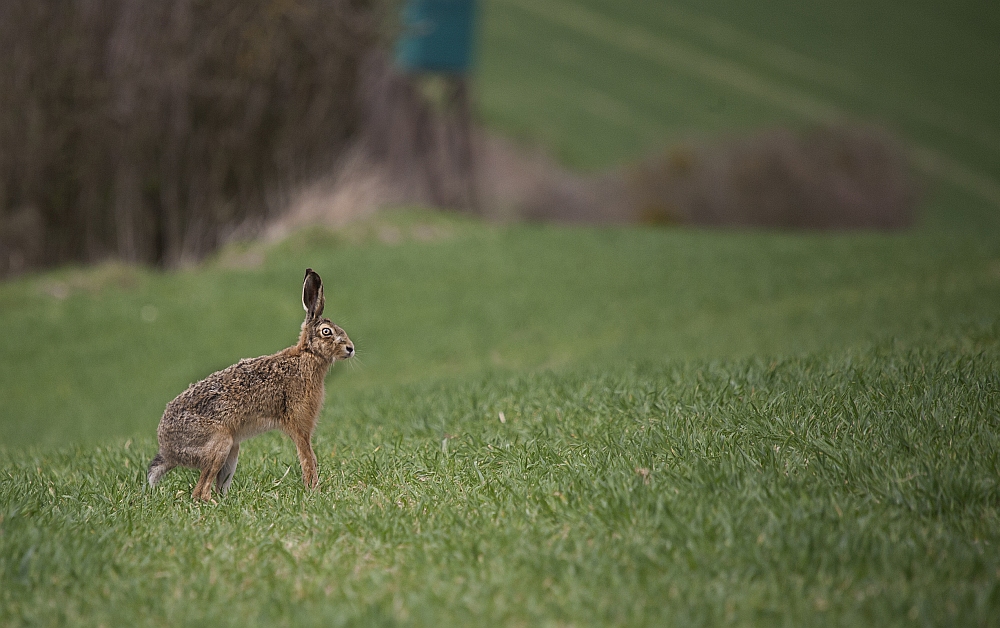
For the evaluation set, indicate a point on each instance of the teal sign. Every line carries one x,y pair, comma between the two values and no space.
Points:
437,36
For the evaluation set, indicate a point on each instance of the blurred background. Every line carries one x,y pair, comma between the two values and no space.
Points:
743,178
154,133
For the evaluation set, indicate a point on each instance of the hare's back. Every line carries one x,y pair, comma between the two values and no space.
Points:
206,399
251,387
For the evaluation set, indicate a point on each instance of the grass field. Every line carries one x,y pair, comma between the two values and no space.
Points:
599,82
560,426
698,429
98,353
856,489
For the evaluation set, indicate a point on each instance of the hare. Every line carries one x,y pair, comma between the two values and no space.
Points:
203,427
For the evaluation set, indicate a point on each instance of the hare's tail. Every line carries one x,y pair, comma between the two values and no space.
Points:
157,468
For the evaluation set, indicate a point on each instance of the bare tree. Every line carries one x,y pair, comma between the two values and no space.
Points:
150,130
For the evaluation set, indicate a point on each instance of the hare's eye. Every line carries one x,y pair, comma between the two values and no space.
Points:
327,331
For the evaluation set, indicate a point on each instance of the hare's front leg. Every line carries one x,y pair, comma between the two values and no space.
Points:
303,443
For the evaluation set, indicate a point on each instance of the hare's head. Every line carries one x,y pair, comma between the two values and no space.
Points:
319,335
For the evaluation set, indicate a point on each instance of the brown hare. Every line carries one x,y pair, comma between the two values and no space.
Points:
203,427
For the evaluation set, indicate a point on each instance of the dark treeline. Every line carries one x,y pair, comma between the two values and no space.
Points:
148,131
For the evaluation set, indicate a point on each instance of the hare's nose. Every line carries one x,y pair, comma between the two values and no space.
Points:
350,350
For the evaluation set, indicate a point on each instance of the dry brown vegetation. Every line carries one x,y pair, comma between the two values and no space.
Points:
830,177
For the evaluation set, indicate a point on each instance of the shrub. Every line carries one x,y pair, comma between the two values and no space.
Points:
149,131
827,178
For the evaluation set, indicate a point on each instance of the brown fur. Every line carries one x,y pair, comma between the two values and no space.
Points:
203,427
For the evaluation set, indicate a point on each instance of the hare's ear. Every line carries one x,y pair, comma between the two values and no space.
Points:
312,295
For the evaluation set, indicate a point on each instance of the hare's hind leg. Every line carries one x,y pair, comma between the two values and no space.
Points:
228,470
213,457
157,468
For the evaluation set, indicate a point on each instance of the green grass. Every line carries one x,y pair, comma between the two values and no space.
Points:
855,488
85,365
600,82
700,428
